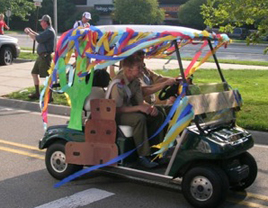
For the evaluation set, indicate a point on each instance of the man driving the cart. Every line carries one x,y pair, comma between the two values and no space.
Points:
133,111
151,81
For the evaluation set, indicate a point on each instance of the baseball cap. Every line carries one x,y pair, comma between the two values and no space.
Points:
46,18
87,15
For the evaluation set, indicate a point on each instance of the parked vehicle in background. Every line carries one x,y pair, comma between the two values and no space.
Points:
9,49
239,33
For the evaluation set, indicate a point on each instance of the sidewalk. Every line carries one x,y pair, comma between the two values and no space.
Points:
17,76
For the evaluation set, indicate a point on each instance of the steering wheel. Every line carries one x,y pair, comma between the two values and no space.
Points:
168,91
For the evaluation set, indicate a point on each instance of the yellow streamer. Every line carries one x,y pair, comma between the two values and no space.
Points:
176,115
164,145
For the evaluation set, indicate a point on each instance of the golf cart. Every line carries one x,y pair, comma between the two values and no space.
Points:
204,147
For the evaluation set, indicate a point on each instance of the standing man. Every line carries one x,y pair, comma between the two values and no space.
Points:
46,45
84,22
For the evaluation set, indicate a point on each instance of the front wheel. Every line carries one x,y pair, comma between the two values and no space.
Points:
6,56
205,186
55,162
247,159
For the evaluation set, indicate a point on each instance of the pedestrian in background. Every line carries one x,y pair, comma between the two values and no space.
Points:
3,24
46,45
84,22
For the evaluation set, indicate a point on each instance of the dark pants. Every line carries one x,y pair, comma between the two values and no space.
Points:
42,65
143,127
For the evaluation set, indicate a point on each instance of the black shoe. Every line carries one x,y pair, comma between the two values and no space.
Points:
33,96
146,162
162,161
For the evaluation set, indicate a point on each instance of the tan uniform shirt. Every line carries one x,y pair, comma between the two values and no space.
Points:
127,97
148,78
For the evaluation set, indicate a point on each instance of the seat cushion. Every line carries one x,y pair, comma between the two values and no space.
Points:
126,130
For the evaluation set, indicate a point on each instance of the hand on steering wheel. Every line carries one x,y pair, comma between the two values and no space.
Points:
168,91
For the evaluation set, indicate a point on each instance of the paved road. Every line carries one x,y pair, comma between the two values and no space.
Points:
233,51
25,183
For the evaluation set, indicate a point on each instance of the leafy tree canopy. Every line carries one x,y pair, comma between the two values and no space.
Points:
189,14
172,1
65,10
228,14
78,16
138,12
19,8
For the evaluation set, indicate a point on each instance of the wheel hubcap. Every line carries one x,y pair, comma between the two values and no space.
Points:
58,161
8,57
201,188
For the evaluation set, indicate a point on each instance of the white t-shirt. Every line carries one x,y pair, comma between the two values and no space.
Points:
80,23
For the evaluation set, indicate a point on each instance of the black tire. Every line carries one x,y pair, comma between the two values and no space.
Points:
247,159
205,186
6,56
55,162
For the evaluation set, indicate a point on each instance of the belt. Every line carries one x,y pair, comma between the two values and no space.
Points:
44,54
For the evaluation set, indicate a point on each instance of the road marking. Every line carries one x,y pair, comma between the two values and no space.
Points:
245,203
255,196
79,199
20,152
261,146
20,145
248,194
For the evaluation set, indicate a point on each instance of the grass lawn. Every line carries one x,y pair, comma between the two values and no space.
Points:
58,99
28,55
252,84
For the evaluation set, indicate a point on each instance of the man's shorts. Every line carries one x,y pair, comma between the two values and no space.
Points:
42,65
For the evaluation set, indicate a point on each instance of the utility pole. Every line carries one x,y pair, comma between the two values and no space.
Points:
56,19
37,3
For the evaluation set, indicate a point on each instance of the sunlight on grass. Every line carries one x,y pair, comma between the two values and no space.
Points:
252,84
58,99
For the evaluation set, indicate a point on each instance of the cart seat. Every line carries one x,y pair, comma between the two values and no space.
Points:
97,93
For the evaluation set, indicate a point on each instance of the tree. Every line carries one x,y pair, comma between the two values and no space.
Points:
189,14
19,8
78,15
228,14
138,12
172,1
65,10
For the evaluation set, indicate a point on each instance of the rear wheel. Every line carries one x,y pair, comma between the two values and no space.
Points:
6,56
247,159
205,186
55,162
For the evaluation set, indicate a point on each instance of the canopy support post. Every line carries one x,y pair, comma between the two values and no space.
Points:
179,61
217,62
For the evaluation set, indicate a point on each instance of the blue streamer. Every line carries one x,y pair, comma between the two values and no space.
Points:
102,57
124,155
185,112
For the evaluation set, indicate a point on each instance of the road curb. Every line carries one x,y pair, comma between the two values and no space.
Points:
261,137
34,106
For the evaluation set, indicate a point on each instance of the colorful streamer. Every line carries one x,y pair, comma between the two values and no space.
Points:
124,155
99,47
102,47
